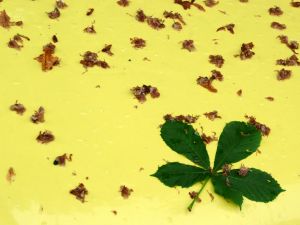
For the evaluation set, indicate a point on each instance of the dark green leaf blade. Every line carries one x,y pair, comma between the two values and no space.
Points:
183,139
219,183
257,185
237,141
177,174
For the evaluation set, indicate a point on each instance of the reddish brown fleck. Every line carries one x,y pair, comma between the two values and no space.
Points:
125,191
17,41
54,39
140,16
80,192
211,3
243,171
155,23
61,160
206,83
244,1
10,176
228,27
54,14
177,26
246,52
212,197
293,45
239,92
270,98
284,74
217,60
188,45
90,29
216,75
226,168
90,59
275,11
278,26
138,42
174,16
194,195
47,59
45,137
141,92
90,11
208,139
265,130
114,212
107,50
295,4
123,3
212,115
18,108
187,4
291,61
187,119
38,116
5,20
61,4
103,64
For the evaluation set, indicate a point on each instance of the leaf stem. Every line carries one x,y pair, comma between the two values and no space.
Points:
197,196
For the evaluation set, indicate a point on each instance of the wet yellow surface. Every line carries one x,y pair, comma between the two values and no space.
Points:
111,140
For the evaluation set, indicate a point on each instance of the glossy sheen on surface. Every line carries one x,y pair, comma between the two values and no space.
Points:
111,140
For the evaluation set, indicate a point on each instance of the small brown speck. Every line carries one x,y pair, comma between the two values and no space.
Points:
18,108
107,50
114,212
45,137
123,3
264,129
188,45
90,11
125,191
61,160
239,92
271,99
38,116
278,26
211,3
212,115
194,195
80,192
138,42
284,74
228,27
61,4
10,176
90,29
54,14
217,60
275,11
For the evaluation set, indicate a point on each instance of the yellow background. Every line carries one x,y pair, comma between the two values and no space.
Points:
111,139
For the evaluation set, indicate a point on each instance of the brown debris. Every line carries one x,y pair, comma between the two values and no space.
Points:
244,1
278,26
61,160
174,16
107,50
138,42
270,98
45,137
295,4
177,26
90,59
10,176
284,74
239,92
54,14
275,11
243,171
246,52
212,197
54,39
17,41
155,23
211,3
212,115
208,139
38,116
90,29
18,108
217,60
206,83
141,92
216,75
61,4
123,3
226,168
187,4
194,195
5,21
90,11
291,61
264,129
188,45
228,27
125,191
47,59
80,192
114,212
293,45
140,16
187,119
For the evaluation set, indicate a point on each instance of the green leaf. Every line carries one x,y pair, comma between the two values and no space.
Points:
237,141
257,185
183,139
219,183
177,174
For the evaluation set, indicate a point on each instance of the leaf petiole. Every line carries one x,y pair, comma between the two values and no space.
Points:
199,192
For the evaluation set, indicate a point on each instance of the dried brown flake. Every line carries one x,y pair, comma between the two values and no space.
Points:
270,98
38,116
123,3
239,92
155,23
47,59
45,137
228,27
187,119
174,16
217,75
188,4
243,171
217,60
125,191
293,45
284,74
208,139
114,212
17,41
226,168
244,1
61,4
54,14
90,29
194,195
188,45
138,42
140,16
177,26
206,83
141,92
107,50
54,39
211,3
212,197
278,26
246,52
90,59
103,64
80,192
18,108
61,160
295,4
275,11
10,176
264,129
90,11
291,61
6,22
212,115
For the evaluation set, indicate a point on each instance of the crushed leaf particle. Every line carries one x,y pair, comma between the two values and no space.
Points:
243,171
138,42
212,115
194,195
228,27
264,129
174,16
217,60
246,52
187,119
177,26
38,116
123,3
80,192
188,45
125,191
155,23
61,4
90,59
208,139
45,137
275,11
141,92
284,74
107,50
10,176
90,11
211,3
61,160
6,22
278,26
54,14
291,61
17,41
140,16
47,59
295,4
293,45
90,29
18,108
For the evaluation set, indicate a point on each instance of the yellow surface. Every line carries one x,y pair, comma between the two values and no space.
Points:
111,140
